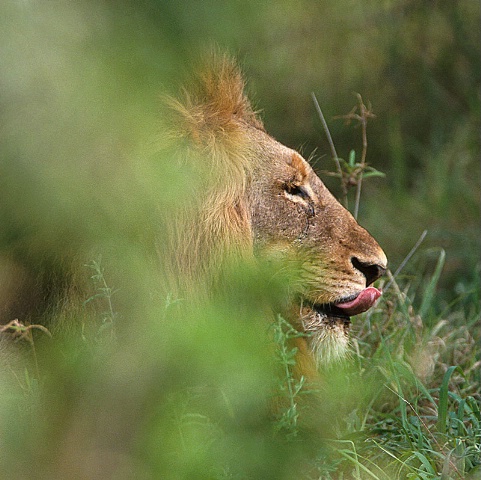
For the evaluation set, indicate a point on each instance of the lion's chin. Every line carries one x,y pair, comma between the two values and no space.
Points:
328,335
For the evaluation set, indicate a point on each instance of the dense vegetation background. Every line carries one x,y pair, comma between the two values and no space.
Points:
79,101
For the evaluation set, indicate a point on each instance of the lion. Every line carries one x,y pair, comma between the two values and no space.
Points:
261,199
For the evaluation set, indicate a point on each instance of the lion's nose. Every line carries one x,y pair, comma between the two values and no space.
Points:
372,271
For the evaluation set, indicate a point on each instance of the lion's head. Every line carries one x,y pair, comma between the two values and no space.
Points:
262,198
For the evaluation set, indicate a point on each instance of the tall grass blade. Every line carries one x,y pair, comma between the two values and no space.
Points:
430,289
406,259
353,457
428,467
443,398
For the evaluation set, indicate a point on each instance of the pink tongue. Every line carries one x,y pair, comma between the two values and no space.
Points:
364,301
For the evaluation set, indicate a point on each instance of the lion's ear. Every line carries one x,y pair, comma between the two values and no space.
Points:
300,165
214,107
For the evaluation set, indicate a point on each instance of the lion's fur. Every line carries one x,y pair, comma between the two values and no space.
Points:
211,124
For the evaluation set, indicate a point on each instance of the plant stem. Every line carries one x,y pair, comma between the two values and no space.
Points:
333,148
406,259
364,114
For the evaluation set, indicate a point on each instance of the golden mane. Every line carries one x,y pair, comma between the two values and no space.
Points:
210,127
215,102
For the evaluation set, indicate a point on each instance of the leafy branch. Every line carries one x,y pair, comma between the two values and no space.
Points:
351,173
103,292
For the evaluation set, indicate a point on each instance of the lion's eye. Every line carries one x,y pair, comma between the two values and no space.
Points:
300,195
296,190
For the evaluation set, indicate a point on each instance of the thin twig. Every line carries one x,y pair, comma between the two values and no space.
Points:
365,114
24,332
333,148
363,120
406,259
362,117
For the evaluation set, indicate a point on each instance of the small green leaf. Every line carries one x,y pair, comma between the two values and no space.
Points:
352,158
371,172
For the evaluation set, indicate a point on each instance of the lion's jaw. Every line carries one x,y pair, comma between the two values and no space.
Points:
327,337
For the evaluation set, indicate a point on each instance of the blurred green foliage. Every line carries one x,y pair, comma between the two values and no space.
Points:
181,392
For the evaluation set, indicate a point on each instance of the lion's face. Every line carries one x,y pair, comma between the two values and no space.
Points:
294,217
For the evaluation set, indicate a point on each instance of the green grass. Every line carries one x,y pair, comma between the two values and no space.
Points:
417,415
163,390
